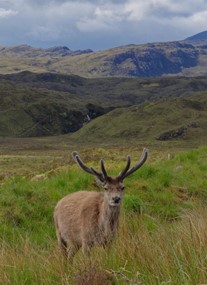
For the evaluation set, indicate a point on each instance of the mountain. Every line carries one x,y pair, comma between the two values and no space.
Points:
43,104
198,37
28,51
122,94
183,58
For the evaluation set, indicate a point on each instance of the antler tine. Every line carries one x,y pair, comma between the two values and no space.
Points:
137,166
74,154
90,170
103,169
124,171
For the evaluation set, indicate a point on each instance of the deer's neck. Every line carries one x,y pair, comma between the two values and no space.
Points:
109,219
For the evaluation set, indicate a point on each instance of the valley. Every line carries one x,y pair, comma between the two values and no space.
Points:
48,104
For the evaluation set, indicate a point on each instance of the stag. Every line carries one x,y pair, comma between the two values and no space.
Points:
86,219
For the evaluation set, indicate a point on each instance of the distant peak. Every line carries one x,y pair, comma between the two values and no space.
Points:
58,48
198,37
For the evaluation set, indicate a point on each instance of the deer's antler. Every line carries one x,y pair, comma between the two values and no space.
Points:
126,172
102,176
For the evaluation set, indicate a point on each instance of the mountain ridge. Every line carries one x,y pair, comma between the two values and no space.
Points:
27,50
182,58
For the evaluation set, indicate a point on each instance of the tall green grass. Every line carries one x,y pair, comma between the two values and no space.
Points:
162,237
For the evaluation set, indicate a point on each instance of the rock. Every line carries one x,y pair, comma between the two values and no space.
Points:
179,167
172,134
39,177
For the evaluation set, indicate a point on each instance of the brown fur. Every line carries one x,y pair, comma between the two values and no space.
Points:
84,219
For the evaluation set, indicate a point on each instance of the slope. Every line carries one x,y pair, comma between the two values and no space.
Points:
177,119
198,37
51,104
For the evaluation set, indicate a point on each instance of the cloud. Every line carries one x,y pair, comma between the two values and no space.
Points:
164,9
103,18
6,13
99,24
94,2
193,23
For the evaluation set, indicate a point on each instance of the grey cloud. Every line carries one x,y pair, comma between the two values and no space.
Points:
98,24
7,12
95,2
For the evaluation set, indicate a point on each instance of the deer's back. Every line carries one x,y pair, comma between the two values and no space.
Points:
78,213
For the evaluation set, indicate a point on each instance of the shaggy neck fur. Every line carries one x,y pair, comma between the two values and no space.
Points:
109,219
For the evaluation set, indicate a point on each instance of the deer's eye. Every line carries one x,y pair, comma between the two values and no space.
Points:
122,188
105,187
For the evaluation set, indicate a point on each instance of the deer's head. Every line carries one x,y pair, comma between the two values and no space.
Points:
113,186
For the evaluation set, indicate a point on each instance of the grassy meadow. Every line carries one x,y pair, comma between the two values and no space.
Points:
162,237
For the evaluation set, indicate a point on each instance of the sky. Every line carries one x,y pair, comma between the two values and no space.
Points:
99,24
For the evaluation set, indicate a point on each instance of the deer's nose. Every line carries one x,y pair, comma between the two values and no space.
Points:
116,199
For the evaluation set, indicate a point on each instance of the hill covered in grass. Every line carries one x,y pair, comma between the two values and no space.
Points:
50,104
174,119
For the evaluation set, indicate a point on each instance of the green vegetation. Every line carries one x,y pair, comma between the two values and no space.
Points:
52,104
182,120
162,235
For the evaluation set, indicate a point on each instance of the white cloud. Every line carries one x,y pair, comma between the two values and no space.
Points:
103,18
165,9
6,13
193,23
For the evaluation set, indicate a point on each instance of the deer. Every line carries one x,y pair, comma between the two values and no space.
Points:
85,219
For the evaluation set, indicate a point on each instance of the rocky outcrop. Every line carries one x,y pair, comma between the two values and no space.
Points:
28,51
154,61
173,134
65,51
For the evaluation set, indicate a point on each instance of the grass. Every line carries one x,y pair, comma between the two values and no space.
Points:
162,235
145,251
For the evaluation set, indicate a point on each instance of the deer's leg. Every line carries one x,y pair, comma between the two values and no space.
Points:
86,248
86,251
63,246
71,251
62,243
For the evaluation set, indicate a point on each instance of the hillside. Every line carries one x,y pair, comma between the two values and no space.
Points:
177,119
51,104
198,37
148,60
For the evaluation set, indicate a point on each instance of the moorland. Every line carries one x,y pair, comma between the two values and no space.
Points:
162,234
45,115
